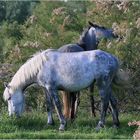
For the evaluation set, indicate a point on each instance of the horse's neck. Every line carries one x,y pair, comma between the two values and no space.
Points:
87,47
27,73
22,85
82,45
27,84
88,40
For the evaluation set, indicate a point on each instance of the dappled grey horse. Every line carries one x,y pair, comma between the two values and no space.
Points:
89,40
78,72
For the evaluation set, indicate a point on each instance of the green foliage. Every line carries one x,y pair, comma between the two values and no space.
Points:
12,30
2,10
34,125
17,10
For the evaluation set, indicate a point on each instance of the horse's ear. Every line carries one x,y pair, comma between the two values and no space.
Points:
90,23
6,85
94,25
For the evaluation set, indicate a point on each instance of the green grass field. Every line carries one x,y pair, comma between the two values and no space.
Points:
34,125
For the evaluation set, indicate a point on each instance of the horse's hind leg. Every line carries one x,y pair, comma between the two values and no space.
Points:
77,102
104,89
52,92
113,103
104,106
49,108
66,104
73,101
91,90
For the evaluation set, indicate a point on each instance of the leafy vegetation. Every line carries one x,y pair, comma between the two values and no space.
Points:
30,26
34,125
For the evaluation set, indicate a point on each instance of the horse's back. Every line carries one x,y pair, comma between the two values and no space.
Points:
76,60
71,59
70,48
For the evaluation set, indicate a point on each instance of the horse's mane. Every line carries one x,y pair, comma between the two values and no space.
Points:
28,70
83,35
95,25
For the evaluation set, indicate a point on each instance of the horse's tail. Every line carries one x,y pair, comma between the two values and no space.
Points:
121,78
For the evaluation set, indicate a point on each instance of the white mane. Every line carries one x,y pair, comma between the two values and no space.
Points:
28,70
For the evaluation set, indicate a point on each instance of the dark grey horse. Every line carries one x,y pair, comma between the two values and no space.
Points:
89,40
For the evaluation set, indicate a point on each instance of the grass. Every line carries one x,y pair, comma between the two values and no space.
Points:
34,125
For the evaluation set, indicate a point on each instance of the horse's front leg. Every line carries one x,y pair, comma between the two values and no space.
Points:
49,108
53,93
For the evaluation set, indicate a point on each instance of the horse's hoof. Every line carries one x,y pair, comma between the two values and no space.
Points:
72,120
62,128
99,126
51,123
115,126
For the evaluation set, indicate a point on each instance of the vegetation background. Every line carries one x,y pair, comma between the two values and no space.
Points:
30,26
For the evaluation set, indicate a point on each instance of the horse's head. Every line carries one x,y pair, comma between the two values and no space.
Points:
102,32
93,34
15,99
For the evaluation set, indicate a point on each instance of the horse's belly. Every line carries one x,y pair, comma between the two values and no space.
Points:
76,87
76,82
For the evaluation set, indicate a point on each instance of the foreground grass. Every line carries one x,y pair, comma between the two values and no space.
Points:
34,125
